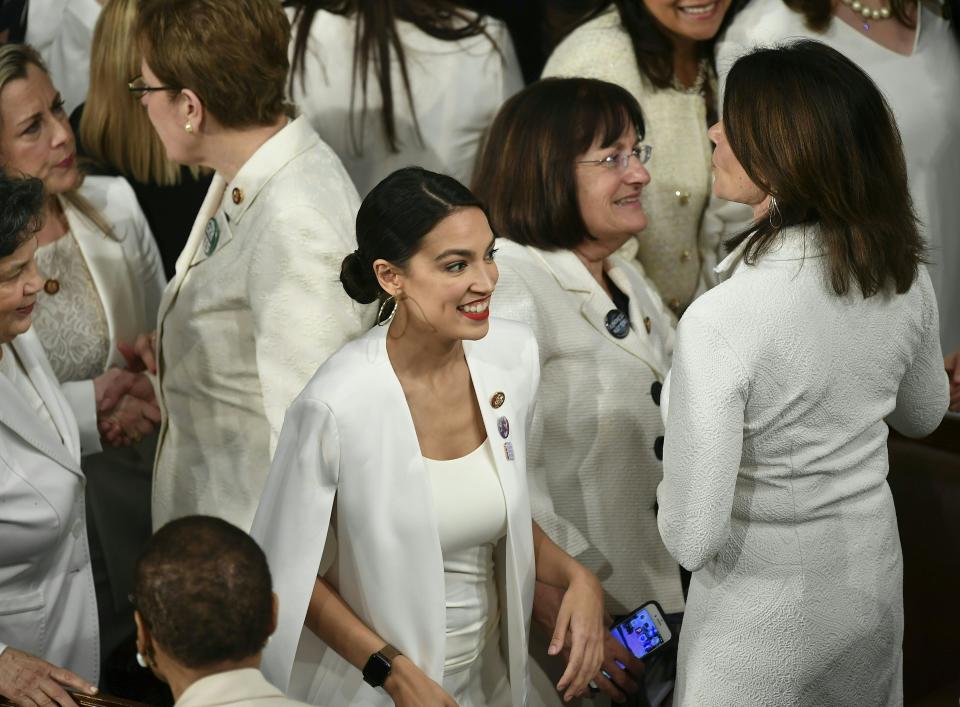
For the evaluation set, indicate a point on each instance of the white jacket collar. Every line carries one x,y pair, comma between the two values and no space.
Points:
246,684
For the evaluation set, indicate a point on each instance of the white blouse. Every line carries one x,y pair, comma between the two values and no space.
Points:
471,518
457,88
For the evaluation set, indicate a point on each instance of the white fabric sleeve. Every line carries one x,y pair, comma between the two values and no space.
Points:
702,443
292,522
513,299
924,392
82,399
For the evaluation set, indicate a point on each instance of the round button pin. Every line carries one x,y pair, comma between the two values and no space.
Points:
237,195
617,323
51,286
498,399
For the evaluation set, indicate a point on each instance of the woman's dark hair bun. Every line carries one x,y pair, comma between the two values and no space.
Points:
358,279
392,221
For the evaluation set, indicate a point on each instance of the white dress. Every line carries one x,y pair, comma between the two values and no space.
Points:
457,89
471,519
774,491
923,91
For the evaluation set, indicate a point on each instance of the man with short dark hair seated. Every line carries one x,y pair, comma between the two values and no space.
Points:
204,611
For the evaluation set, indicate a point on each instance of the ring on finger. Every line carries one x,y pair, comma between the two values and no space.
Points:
605,674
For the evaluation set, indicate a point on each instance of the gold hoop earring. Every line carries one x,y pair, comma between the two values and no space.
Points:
773,213
188,127
392,299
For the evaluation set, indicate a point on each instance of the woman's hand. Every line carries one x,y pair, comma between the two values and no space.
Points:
951,363
618,662
581,620
29,681
126,406
142,355
409,686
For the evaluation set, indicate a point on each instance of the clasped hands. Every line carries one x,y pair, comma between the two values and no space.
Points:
127,408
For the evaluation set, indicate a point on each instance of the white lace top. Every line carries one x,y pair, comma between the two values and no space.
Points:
71,324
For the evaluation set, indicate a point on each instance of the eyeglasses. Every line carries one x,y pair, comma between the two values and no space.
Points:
622,159
138,87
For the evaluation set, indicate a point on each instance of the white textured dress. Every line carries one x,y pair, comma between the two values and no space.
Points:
457,88
923,91
774,491
674,255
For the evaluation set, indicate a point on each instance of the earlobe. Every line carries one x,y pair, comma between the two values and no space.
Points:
192,108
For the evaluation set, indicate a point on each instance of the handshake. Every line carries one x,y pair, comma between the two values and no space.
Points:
127,407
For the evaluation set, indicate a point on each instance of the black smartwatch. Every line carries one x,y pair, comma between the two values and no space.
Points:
378,666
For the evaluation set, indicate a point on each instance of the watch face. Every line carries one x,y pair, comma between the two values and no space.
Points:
376,670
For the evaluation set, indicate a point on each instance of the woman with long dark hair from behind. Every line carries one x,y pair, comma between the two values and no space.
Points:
427,78
784,379
417,430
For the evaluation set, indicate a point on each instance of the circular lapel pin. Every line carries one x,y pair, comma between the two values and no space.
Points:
503,427
498,399
211,235
617,323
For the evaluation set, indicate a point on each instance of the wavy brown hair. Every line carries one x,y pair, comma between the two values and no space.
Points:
811,129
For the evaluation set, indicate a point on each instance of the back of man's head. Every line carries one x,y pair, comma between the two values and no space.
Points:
203,590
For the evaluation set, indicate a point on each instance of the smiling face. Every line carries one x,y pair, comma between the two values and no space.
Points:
690,20
610,196
19,284
35,134
730,179
447,285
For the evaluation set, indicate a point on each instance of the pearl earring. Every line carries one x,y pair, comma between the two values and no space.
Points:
141,661
188,127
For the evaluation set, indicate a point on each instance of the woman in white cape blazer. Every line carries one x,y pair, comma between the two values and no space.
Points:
47,603
353,417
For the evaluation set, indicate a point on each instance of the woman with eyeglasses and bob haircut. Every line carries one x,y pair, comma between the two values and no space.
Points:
784,380
254,306
396,518
563,172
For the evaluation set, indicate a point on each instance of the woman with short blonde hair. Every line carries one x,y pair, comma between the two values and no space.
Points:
254,307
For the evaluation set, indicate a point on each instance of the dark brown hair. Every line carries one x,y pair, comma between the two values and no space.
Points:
376,41
233,55
810,128
21,211
652,47
527,172
202,586
817,14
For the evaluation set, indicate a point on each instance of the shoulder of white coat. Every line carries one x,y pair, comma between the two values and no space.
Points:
315,176
113,197
346,375
591,47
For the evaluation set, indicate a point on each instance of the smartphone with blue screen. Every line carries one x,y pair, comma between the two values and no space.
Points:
643,631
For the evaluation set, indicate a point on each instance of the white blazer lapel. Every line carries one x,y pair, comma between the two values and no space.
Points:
17,415
505,423
209,207
111,275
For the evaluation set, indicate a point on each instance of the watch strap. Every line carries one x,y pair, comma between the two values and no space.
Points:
389,652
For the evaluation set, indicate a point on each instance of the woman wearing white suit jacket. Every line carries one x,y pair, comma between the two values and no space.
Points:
255,305
605,342
102,284
408,447
48,610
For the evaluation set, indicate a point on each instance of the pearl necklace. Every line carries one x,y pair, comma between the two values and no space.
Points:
868,13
